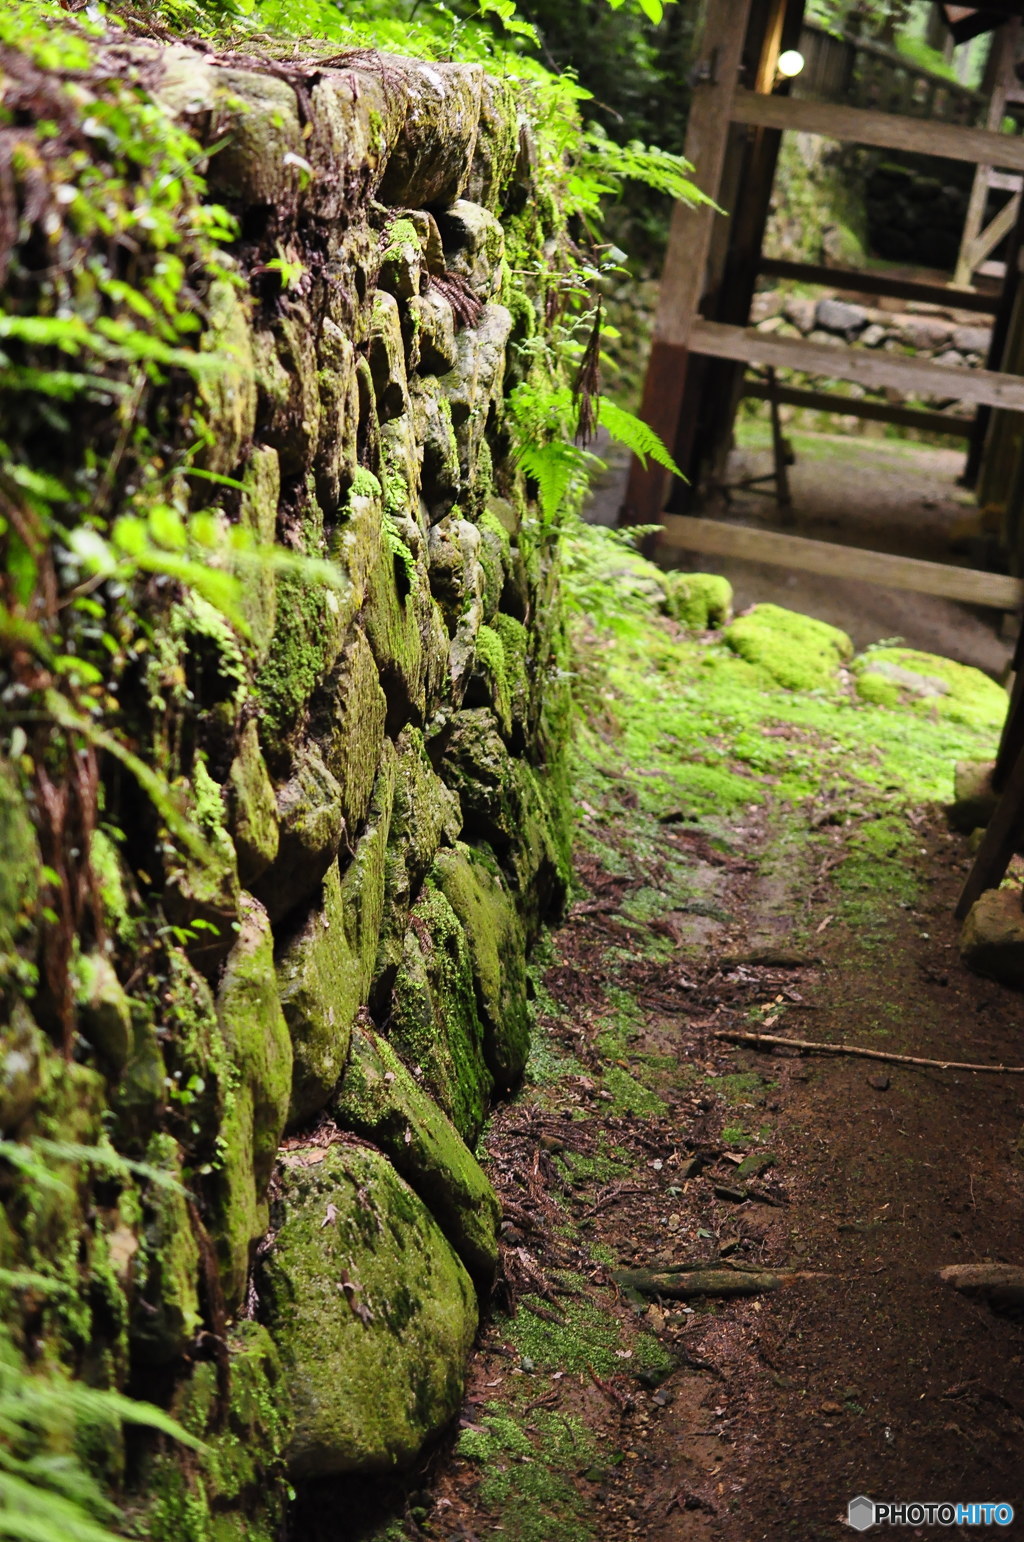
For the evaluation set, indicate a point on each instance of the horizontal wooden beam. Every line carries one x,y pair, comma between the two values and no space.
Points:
889,131
711,537
854,281
860,407
869,367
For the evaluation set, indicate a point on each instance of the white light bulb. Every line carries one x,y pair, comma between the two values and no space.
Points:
790,63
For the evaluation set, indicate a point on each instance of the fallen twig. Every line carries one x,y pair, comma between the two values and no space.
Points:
679,1284
611,1393
810,1046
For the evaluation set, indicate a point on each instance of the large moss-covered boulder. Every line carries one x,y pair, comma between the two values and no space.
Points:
435,1024
796,651
260,1051
326,966
382,1101
472,884
371,1310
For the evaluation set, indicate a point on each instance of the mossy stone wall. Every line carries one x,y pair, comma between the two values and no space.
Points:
375,768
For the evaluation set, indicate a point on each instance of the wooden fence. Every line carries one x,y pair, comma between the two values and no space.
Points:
863,73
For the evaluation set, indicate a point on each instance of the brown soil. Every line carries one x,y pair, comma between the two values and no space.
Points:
866,1375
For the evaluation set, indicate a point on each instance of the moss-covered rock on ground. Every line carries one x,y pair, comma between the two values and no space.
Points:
361,1291
926,683
797,651
698,600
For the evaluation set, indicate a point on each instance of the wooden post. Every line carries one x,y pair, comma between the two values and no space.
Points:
1005,52
682,283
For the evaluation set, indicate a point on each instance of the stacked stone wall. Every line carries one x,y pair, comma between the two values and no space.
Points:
305,1015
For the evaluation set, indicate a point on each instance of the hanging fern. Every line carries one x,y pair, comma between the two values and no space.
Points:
635,434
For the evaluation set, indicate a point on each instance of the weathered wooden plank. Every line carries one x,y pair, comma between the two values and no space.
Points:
985,243
689,241
889,131
877,371
860,407
854,281
714,538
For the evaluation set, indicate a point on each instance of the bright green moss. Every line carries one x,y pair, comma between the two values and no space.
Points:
698,600
796,651
931,685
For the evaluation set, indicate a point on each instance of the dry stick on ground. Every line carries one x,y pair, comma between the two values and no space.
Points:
810,1046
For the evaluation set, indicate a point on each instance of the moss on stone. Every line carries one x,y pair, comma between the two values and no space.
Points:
296,659
698,601
347,718
515,640
362,1292
19,881
796,651
166,1313
260,1050
495,558
381,1100
505,805
473,887
491,669
237,1493
435,1025
252,807
325,968
426,812
929,684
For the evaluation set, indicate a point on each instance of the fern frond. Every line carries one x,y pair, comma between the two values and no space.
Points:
554,467
636,435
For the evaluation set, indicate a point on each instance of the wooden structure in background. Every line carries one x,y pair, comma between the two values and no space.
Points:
979,241
702,343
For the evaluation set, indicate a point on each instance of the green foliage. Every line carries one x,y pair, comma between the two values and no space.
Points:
545,449
47,1494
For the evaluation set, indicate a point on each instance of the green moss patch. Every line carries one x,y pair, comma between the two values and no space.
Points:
796,651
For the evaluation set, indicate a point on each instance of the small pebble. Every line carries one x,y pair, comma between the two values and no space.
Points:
881,1083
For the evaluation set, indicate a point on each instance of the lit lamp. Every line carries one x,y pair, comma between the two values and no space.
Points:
790,63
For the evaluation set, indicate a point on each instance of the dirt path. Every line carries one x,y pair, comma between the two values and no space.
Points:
747,855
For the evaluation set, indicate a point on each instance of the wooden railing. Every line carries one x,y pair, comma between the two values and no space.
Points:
862,73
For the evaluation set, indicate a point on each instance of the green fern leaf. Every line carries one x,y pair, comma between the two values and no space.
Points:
636,435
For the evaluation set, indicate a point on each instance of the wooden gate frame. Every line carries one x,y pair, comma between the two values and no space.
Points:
711,264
